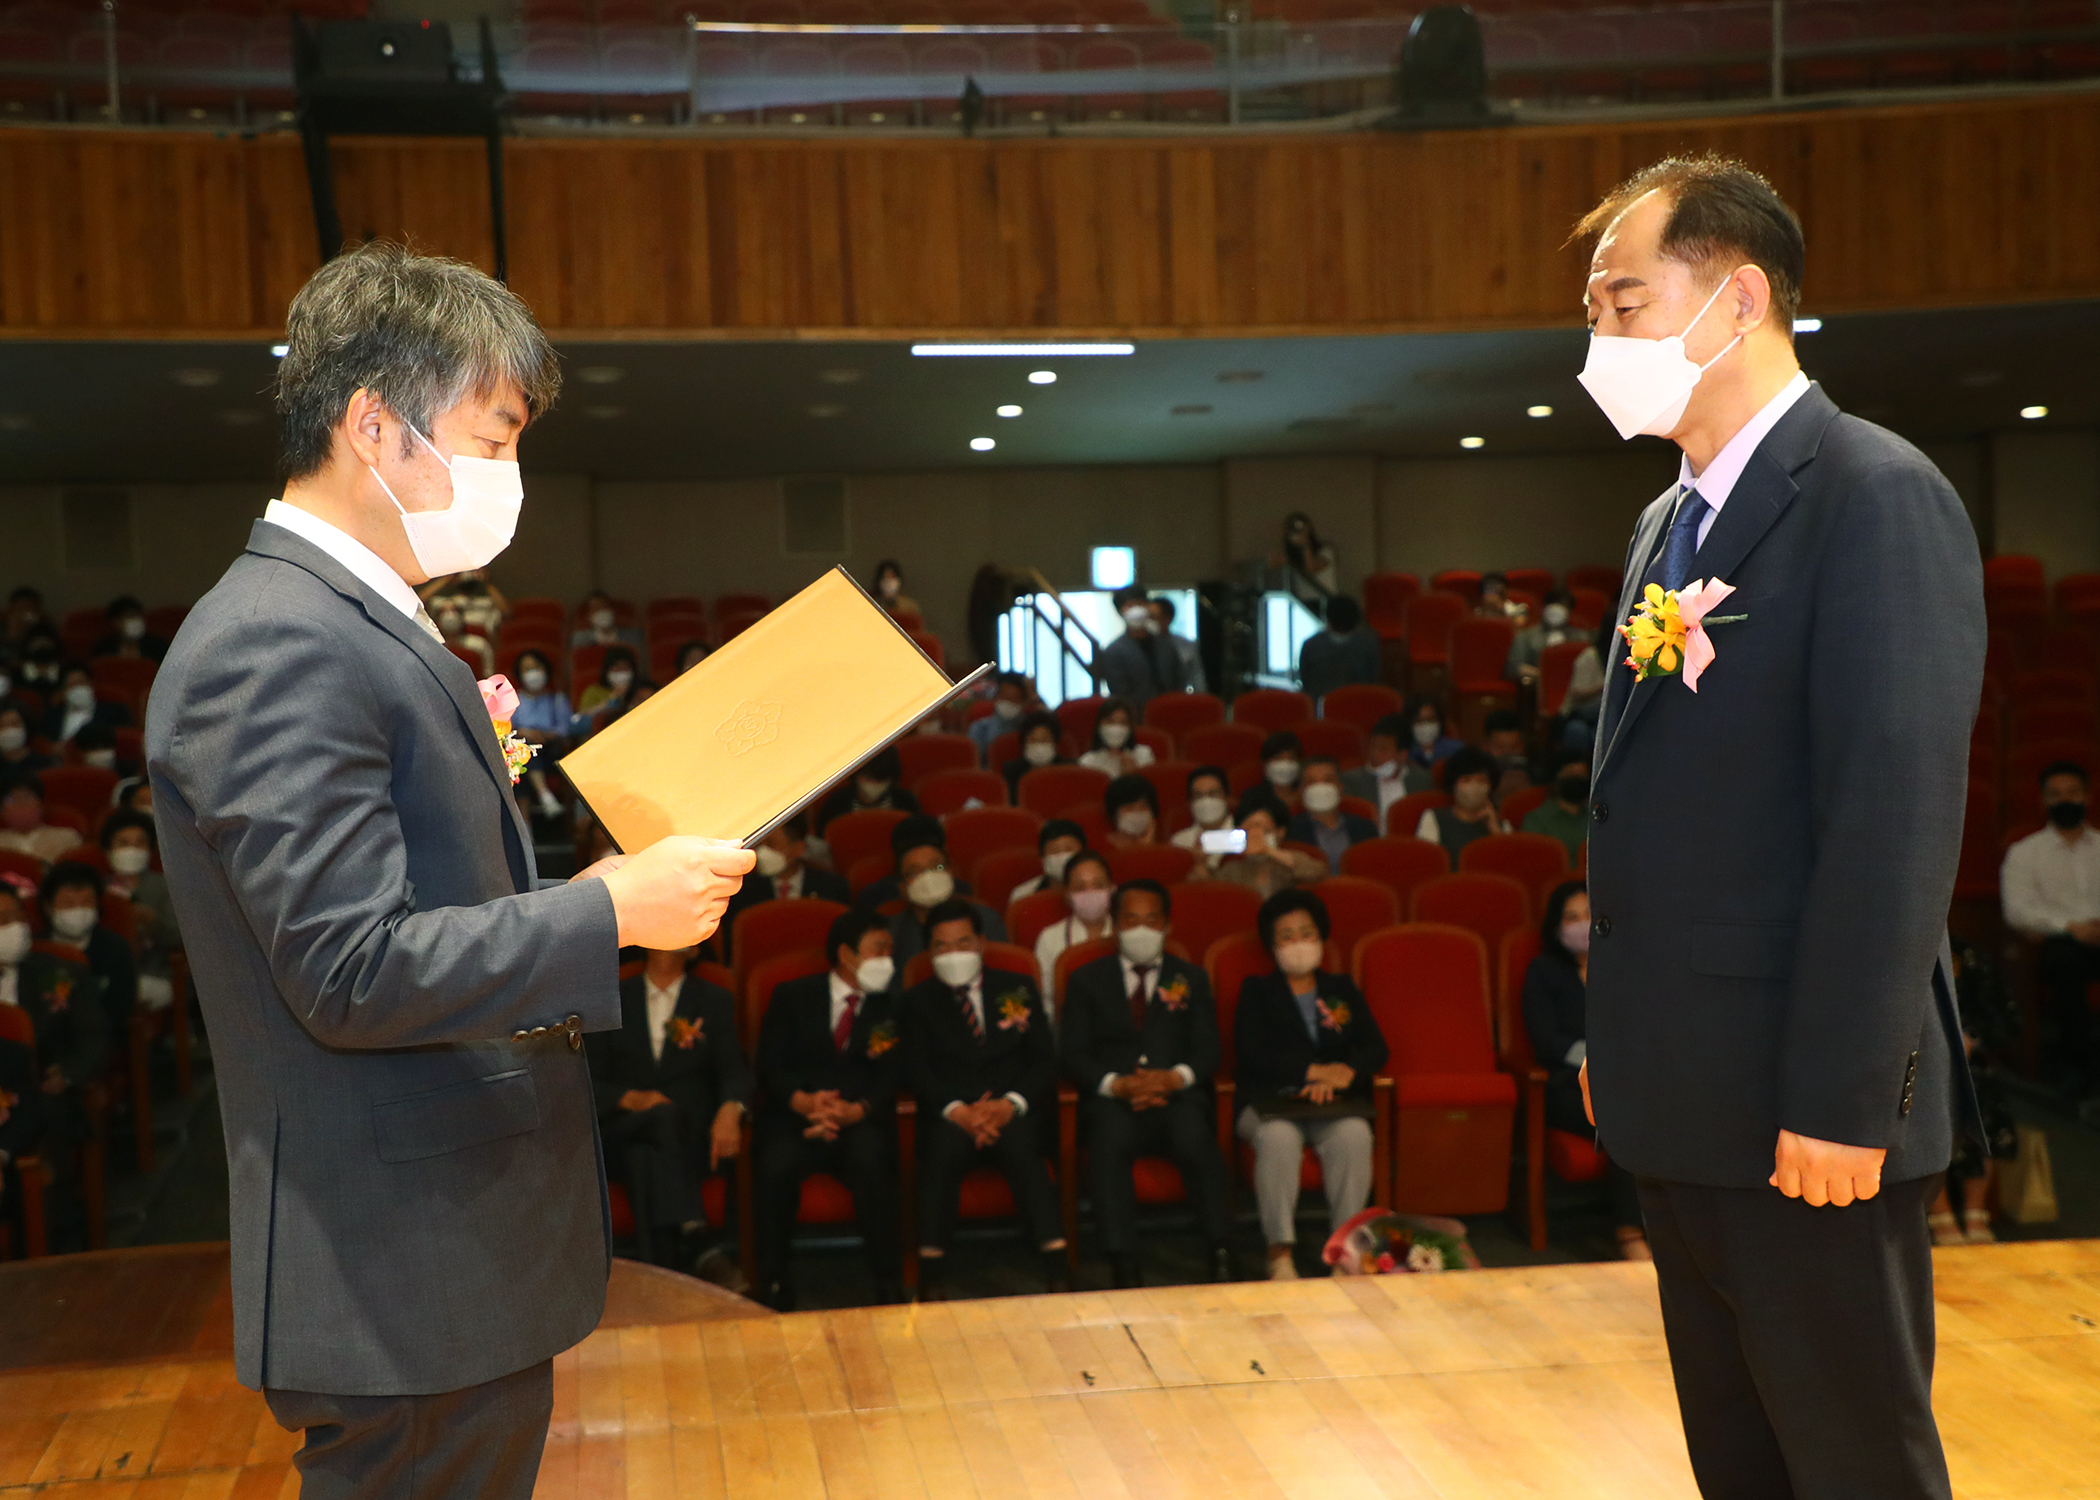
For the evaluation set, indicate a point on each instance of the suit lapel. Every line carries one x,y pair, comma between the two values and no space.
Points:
1618,695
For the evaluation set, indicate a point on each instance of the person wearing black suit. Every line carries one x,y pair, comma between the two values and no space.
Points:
782,876
829,1053
1773,1045
63,1001
672,1088
982,1064
21,1119
1140,1041
72,901
74,706
1309,1051
923,882
1321,820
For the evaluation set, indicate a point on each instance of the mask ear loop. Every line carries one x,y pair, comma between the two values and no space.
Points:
1702,312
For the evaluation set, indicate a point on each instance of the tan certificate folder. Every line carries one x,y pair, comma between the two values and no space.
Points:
736,745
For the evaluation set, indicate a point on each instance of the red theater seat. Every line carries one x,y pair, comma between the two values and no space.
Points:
1271,709
1336,737
1048,790
1485,905
1000,871
920,755
1360,703
1226,745
1534,860
943,792
1206,910
772,928
855,835
978,831
1177,713
1400,863
1165,863
1356,908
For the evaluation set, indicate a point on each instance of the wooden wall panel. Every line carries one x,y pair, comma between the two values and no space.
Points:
126,234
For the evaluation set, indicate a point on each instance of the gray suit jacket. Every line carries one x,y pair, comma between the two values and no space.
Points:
417,1199
1771,858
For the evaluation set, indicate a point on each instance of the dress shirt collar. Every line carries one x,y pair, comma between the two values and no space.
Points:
661,1003
365,565
1151,974
1717,481
789,886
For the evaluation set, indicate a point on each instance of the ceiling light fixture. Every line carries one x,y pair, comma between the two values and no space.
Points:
1009,410
1538,411
1472,442
1808,325
2034,413
601,374
983,445
1042,377
1000,351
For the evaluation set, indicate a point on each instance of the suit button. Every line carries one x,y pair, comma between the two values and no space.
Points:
1601,812
1601,927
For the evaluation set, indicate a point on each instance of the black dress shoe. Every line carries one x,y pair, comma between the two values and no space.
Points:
1221,1264
1124,1272
780,1296
1056,1275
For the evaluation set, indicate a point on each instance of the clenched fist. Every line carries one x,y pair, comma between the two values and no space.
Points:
673,893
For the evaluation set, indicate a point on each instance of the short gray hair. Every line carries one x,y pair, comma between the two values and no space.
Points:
421,332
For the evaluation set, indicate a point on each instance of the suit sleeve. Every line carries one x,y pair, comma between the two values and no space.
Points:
776,1046
1893,679
920,1066
1205,1050
1039,1079
1368,1051
87,1054
23,1129
281,753
881,1093
1076,1036
1550,1043
1257,1074
732,1069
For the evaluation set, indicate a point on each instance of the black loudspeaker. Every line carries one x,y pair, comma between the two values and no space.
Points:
1443,68
386,52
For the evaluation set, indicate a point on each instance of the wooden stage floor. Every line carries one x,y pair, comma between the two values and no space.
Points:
1537,1382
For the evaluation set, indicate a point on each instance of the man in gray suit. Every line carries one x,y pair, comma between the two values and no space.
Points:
396,1000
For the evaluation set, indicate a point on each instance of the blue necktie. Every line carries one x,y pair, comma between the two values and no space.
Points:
1673,570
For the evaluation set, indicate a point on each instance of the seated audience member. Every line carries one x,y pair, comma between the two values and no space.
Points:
783,874
876,787
96,745
127,634
1131,804
72,900
541,718
21,1122
619,675
1114,749
1565,815
133,794
1267,866
24,830
1282,758
64,1004
25,615
1210,809
1139,1038
672,1088
907,834
1309,1051
1494,602
1991,1025
829,1053
1059,840
1578,710
129,842
1556,989
465,639
927,886
1137,666
1321,820
1425,726
18,757
1344,653
1504,732
1193,679
40,663
1470,776
1041,738
1010,705
889,590
1088,885
599,625
1387,774
690,655
76,707
480,603
981,1060
2050,886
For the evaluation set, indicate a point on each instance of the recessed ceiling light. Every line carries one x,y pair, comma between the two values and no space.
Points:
983,445
604,413
1808,325
239,416
1042,377
2034,413
1472,442
999,351
1009,410
827,409
1193,409
601,374
1541,410
1238,377
279,351
840,375
195,377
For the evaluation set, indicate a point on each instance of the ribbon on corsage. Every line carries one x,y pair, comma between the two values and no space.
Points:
1666,633
501,700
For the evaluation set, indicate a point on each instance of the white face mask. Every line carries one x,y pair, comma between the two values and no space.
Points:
872,788
487,494
1644,385
930,887
1428,734
1137,617
1208,812
1322,797
1115,736
80,698
1575,936
13,738
1555,616
133,628
1296,959
7,684
1281,772
890,585
1386,768
874,974
14,942
101,760
1091,906
534,680
958,969
1142,945
1005,710
1134,822
601,619
75,922
619,679
1039,752
130,860
771,861
1054,865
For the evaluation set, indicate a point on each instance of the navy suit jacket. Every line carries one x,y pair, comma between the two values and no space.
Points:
1099,1035
796,1050
1772,857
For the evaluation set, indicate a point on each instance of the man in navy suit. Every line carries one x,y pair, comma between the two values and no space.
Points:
1773,1048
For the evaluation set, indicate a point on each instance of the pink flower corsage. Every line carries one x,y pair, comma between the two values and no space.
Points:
501,700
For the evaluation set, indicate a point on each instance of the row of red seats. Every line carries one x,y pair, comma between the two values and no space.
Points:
849,12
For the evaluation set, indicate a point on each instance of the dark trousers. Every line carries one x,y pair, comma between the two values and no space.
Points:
862,1157
947,1153
1183,1129
2067,967
658,1154
482,1443
1801,1340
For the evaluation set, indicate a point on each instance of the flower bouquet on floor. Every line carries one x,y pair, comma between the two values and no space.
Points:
1378,1242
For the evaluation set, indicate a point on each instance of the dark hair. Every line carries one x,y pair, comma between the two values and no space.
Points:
123,604
1225,781
1558,595
1344,614
1125,790
420,332
1502,720
685,647
1109,706
1549,923
67,874
14,706
848,928
1262,799
1013,679
1719,210
1320,760
796,827
517,663
1394,727
889,565
614,655
954,909
2063,768
1059,828
95,737
128,817
1090,857
1165,604
1420,701
1142,883
1042,718
24,591
884,765
1500,580
1469,760
1281,905
1123,598
917,832
29,779
1279,742
1297,554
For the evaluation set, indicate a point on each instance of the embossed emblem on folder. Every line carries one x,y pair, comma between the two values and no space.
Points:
753,724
